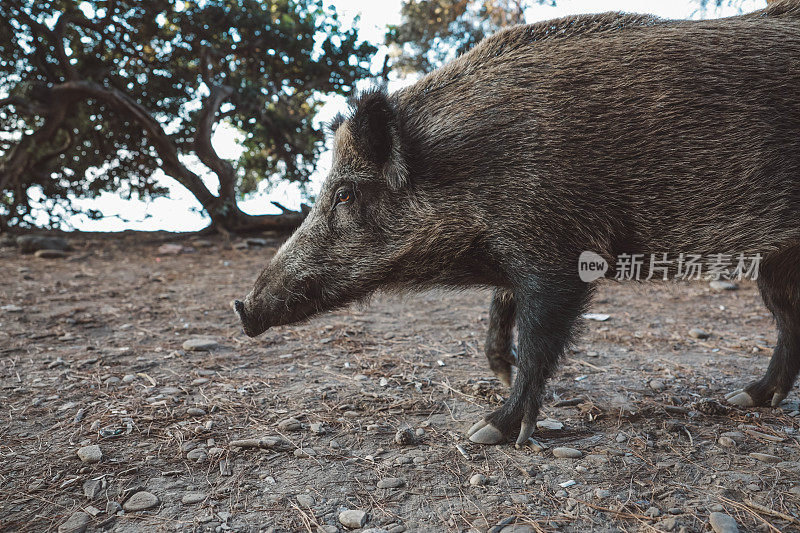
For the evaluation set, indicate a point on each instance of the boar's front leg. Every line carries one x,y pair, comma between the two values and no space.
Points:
499,339
546,318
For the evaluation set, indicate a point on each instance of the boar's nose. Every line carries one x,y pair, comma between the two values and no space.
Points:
251,327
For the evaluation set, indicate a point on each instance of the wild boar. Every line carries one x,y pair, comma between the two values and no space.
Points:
612,133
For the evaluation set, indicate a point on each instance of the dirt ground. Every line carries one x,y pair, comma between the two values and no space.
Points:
91,352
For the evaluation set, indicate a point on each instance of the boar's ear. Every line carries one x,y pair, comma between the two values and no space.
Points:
375,128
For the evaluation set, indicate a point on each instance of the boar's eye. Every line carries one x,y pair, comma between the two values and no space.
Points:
343,196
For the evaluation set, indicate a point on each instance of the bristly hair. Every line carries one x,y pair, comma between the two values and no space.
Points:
337,121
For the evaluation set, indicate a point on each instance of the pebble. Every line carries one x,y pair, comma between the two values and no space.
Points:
127,378
722,285
477,480
317,428
141,501
726,441
657,385
567,453
549,424
652,512
353,518
31,243
198,454
765,457
91,488
306,500
200,344
397,528
723,523
390,483
193,497
290,424
327,528
601,494
11,308
698,333
76,523
518,528
405,437
195,411
200,381
50,254
90,454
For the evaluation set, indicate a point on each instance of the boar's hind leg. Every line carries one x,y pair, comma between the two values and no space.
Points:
545,323
499,342
779,281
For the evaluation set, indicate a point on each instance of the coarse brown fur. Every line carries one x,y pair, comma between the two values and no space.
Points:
612,133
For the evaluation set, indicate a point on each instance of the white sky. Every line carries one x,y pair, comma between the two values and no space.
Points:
179,212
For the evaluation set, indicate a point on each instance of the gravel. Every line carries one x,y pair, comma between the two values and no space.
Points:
564,452
353,518
141,501
723,523
90,454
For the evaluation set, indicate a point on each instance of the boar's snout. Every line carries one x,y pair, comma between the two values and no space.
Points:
252,326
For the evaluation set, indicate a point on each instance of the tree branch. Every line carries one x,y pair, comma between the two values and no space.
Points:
202,142
165,147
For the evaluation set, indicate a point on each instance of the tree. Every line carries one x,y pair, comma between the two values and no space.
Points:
97,95
431,32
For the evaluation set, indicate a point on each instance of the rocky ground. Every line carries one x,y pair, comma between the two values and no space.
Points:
130,401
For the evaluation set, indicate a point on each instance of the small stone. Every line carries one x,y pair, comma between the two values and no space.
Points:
353,518
193,497
11,308
327,528
141,501
317,428
92,510
397,528
170,248
726,441
405,437
50,254
390,483
91,488
765,457
477,480
722,285
657,385
652,512
195,411
90,454
290,424
200,344
128,378
518,528
305,500
198,455
723,523
76,523
200,381
698,333
601,494
113,507
567,453
549,424
28,244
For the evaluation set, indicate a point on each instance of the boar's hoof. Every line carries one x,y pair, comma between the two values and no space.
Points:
777,398
740,398
525,433
485,433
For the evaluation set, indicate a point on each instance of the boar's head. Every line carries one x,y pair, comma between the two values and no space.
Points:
373,226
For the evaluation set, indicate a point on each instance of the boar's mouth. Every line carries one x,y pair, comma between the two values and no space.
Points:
251,327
